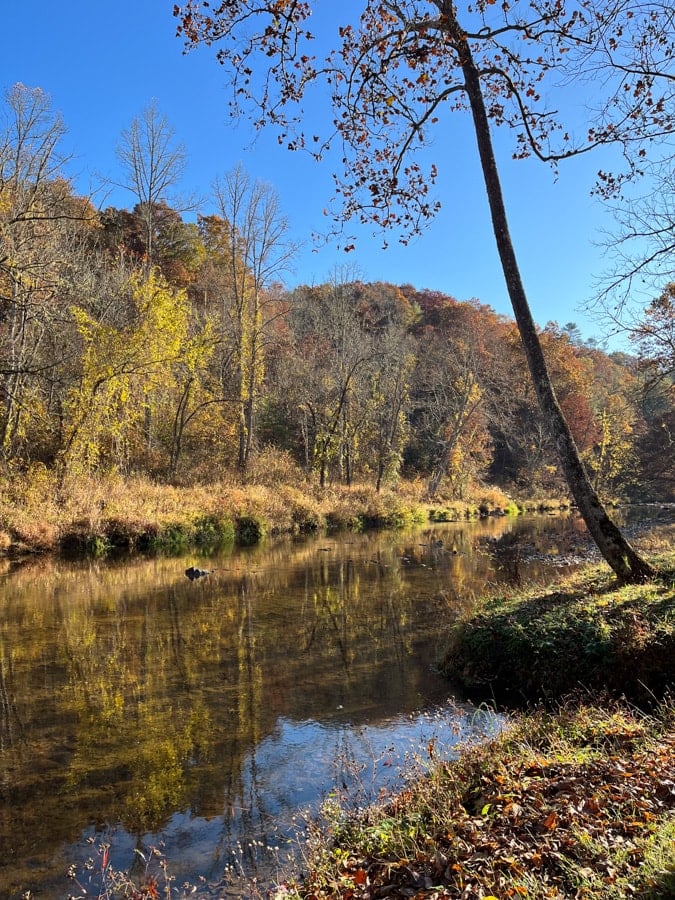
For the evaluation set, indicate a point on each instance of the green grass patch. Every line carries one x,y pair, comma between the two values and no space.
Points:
588,633
249,530
448,514
173,538
213,531
402,517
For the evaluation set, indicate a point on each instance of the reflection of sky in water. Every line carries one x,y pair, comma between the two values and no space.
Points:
286,778
302,761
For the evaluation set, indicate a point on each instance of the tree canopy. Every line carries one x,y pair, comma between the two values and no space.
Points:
388,76
109,364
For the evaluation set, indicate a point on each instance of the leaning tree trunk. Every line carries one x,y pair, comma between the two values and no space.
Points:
616,550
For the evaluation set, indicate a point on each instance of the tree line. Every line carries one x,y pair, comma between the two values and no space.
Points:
141,341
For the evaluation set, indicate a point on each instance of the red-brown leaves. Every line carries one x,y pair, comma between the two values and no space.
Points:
532,817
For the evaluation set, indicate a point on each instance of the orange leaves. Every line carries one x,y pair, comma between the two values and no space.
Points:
551,822
149,892
514,824
360,876
513,810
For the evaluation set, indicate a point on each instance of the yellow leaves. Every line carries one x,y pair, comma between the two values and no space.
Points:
123,367
5,202
163,317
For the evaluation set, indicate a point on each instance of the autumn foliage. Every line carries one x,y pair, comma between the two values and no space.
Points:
191,369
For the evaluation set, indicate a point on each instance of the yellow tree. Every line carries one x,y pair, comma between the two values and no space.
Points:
613,459
121,368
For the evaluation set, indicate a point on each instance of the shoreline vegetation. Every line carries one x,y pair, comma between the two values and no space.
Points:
575,798
572,803
98,515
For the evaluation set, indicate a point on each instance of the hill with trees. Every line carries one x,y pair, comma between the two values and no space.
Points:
138,341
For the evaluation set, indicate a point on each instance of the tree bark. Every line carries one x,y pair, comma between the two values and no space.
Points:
616,550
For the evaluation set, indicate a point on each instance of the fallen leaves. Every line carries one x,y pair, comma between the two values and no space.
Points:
532,817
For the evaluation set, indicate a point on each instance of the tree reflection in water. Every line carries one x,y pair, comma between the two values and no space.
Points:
142,707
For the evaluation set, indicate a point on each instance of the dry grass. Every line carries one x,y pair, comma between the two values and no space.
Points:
40,513
37,511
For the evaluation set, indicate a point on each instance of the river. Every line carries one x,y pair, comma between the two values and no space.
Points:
207,718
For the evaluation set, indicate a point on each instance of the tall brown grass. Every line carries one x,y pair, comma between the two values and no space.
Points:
37,509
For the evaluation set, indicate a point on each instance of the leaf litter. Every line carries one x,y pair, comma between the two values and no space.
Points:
573,805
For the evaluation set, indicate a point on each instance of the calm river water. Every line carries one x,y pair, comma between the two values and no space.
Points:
141,709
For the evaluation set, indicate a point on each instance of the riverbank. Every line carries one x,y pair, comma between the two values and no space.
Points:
573,802
577,803
587,632
573,799
39,514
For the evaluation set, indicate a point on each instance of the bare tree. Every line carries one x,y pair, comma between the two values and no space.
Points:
152,163
256,249
38,212
654,335
334,356
642,255
449,384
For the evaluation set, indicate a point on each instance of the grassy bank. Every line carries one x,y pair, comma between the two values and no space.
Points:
96,515
586,632
573,803
577,803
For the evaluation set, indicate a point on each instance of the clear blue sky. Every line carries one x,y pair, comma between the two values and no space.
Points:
102,63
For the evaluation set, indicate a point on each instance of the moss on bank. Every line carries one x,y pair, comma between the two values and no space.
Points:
590,633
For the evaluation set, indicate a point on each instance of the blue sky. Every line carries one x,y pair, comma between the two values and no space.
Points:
102,63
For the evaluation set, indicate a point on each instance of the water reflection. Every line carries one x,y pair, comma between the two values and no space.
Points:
138,704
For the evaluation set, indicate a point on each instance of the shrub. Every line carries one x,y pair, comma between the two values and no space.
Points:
272,467
249,530
213,531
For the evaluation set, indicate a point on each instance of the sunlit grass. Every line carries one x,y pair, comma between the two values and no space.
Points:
42,512
584,631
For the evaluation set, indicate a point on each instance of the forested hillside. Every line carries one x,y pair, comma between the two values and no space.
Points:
148,342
